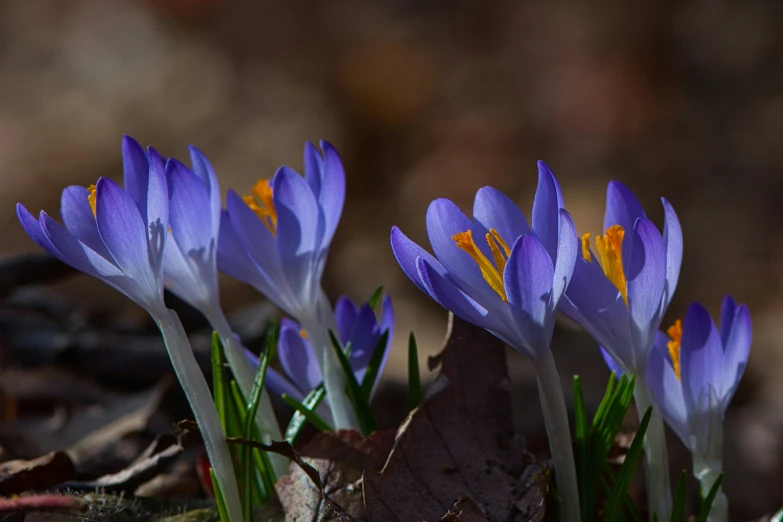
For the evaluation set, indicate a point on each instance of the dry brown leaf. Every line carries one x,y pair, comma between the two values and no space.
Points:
17,476
457,452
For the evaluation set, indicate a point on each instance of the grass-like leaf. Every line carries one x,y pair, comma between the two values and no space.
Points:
586,471
298,420
375,298
250,429
219,391
360,404
374,366
307,412
221,504
620,487
414,378
705,505
678,505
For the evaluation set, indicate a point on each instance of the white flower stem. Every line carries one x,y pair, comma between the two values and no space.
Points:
244,373
706,443
200,398
656,459
558,431
317,326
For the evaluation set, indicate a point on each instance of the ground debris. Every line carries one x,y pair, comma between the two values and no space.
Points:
17,476
456,456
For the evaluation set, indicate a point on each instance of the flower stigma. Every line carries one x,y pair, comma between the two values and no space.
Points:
610,249
493,274
260,201
91,198
675,332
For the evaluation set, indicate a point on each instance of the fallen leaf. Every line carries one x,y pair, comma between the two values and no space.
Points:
457,452
132,477
17,476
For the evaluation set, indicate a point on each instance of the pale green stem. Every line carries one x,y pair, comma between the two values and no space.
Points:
558,431
317,326
706,444
244,373
656,459
200,398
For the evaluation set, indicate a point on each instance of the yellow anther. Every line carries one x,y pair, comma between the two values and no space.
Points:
675,333
91,198
260,201
586,247
303,333
610,248
493,274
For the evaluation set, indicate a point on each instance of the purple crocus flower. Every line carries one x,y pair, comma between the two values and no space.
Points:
497,273
277,238
694,372
113,234
118,235
620,301
357,326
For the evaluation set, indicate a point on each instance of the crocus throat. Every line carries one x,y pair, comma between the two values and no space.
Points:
493,273
610,249
675,333
91,198
260,201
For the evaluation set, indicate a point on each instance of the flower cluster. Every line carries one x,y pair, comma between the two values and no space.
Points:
497,270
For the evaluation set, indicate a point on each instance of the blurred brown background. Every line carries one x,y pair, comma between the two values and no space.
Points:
435,99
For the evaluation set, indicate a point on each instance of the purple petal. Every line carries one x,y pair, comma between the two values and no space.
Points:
203,169
157,210
189,216
256,240
672,240
667,391
122,229
135,168
453,299
646,277
546,209
494,210
407,254
387,317
735,355
297,357
331,193
594,302
567,252
33,228
444,220
363,338
727,311
622,208
73,252
528,281
278,385
299,227
611,363
232,258
345,313
313,165
78,219
701,355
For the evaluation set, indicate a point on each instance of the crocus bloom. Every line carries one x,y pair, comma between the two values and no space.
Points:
189,259
118,236
497,273
277,239
693,373
620,297
356,326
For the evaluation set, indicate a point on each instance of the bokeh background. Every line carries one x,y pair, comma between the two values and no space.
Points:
436,99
